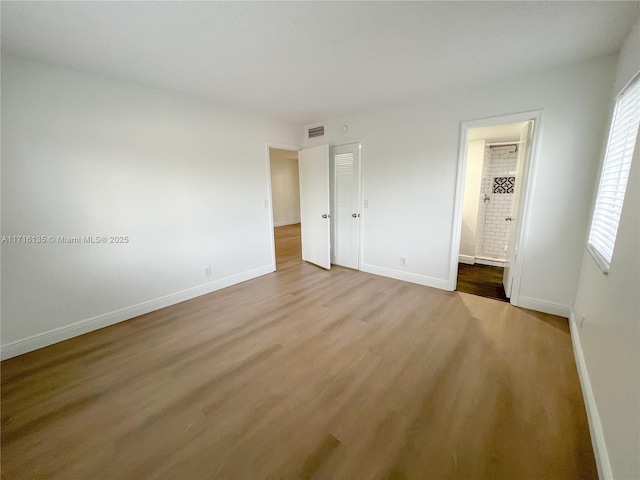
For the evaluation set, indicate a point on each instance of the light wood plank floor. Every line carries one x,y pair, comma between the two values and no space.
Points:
304,374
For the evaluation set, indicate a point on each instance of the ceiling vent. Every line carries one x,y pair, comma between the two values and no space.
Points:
316,132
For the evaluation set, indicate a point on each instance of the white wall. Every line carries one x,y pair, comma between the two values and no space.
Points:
85,155
610,334
482,207
473,177
285,187
409,160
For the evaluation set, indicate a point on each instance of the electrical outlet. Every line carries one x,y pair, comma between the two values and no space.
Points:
403,260
207,271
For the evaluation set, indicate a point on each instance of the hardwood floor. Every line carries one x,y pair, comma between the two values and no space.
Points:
288,247
483,280
304,374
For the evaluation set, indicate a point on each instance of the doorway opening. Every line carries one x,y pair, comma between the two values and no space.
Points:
285,206
492,192
315,205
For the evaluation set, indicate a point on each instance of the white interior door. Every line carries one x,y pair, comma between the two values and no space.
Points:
313,165
345,205
524,152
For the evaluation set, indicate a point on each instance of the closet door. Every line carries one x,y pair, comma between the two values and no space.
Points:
345,196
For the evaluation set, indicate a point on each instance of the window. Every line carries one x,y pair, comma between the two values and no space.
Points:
615,172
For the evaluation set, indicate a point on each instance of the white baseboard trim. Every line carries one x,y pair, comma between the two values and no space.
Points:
544,306
40,340
468,259
595,426
287,222
406,276
492,263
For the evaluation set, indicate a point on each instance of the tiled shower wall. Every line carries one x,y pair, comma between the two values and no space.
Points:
492,233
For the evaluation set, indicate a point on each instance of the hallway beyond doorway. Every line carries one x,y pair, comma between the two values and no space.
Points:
288,245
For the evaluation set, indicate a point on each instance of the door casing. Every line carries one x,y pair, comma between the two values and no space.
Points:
522,224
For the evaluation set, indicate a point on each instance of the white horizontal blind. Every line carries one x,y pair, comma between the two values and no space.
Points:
615,172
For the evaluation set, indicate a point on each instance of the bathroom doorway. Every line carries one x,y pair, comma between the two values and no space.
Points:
496,166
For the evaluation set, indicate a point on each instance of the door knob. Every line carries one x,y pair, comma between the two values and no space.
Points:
509,219
326,216
355,215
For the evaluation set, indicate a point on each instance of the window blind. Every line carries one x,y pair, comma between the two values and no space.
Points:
615,173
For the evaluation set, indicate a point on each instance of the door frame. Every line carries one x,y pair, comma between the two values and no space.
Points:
269,201
522,223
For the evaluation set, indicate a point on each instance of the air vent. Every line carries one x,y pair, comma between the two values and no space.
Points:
316,132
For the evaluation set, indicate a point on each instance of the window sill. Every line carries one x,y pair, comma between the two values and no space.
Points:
599,259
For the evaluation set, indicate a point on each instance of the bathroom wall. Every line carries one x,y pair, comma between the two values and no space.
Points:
485,197
471,202
498,171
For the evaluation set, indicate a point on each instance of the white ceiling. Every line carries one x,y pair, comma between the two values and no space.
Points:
309,61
